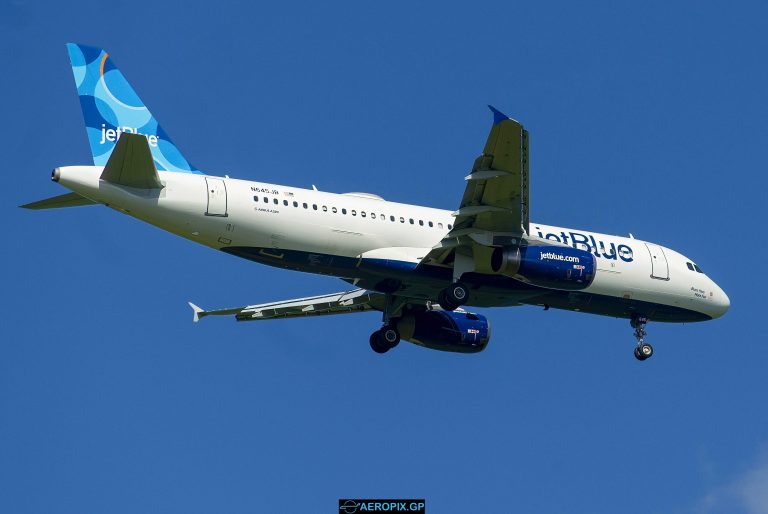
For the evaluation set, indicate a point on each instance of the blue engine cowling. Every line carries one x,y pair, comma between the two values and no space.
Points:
448,331
556,267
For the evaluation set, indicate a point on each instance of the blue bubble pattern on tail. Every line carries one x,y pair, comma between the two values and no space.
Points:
111,106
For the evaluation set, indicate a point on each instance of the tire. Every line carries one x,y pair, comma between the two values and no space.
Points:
456,294
376,345
643,351
445,303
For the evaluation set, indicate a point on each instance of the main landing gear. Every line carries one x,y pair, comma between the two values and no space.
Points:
387,337
453,297
384,339
643,350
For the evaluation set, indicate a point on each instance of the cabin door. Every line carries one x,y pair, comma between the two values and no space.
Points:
217,197
659,266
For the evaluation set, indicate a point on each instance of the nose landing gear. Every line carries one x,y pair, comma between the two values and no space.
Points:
643,350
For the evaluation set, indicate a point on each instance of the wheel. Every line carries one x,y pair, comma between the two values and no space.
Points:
453,297
376,344
643,351
445,303
457,293
389,336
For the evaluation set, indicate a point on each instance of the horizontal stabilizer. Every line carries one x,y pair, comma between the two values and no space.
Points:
131,164
57,202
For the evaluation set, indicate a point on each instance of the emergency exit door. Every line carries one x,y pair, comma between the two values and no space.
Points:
659,266
217,197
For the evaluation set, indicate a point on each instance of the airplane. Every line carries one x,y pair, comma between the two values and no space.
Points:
420,267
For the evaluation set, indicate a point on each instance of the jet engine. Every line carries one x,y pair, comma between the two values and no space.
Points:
556,267
448,331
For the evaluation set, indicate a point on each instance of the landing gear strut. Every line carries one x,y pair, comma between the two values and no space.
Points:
384,339
454,296
643,350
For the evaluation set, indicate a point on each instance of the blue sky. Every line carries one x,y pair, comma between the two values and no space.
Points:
644,117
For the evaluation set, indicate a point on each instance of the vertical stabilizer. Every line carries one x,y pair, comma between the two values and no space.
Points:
111,107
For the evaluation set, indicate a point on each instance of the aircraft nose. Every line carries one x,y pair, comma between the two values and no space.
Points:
720,302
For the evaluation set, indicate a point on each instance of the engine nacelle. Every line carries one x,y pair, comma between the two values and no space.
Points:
445,330
556,267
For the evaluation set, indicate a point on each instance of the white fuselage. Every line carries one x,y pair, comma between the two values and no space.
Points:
224,212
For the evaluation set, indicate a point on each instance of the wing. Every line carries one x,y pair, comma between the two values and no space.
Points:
494,209
358,300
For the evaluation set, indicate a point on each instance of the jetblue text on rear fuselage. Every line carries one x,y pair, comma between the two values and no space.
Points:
588,243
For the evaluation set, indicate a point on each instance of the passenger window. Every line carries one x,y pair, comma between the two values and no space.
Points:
275,201
450,226
690,266
255,198
295,204
304,205
362,213
343,211
354,212
314,206
266,200
333,210
383,218
391,218
431,224
285,202
402,220
325,209
421,222
439,225
410,220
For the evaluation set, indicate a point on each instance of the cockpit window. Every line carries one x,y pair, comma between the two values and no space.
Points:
697,268
690,266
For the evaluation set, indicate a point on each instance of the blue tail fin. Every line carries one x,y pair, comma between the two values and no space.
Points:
111,106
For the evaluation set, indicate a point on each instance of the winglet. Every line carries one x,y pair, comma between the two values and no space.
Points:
498,116
198,312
